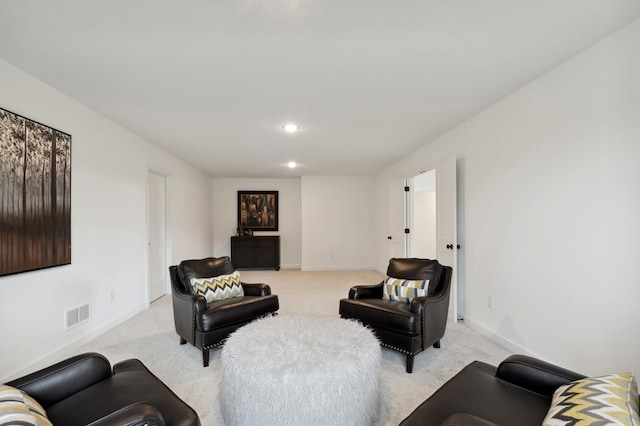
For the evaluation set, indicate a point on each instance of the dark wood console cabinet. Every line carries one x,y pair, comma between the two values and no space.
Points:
256,252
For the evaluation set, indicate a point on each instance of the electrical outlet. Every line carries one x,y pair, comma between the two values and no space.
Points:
490,302
112,295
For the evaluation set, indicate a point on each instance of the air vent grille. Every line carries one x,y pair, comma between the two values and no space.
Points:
76,316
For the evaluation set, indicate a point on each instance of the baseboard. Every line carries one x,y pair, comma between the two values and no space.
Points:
296,266
336,268
71,348
500,340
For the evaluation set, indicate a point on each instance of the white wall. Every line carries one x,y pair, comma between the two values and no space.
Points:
108,230
225,215
338,216
551,205
324,222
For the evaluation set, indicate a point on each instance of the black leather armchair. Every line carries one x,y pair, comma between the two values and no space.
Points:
406,327
85,390
208,325
518,391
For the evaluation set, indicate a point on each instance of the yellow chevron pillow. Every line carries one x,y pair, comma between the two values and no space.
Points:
400,290
218,288
605,400
18,408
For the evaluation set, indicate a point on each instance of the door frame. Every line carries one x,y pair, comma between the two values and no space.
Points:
457,285
398,239
167,221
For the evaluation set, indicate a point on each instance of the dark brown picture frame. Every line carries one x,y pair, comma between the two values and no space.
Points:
35,195
258,210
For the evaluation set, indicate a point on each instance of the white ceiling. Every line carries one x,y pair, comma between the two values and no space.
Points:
368,81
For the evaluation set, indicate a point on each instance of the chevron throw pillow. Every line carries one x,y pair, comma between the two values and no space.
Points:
404,290
218,288
18,408
605,400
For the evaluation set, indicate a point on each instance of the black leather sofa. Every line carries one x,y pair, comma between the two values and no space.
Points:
85,390
517,392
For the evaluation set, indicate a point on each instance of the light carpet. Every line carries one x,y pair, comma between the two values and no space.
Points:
150,337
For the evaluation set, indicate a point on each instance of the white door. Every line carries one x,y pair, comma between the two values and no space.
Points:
446,229
397,218
156,222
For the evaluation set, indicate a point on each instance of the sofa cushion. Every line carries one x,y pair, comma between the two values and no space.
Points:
382,314
18,408
611,399
465,419
218,288
400,290
235,311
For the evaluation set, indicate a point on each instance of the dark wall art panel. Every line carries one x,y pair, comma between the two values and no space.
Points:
35,195
258,210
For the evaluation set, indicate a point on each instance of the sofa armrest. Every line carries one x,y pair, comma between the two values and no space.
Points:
256,289
135,377
464,419
57,382
130,365
141,414
534,374
366,292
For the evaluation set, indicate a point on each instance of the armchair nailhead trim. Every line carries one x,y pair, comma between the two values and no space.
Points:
215,345
424,324
193,324
393,347
397,349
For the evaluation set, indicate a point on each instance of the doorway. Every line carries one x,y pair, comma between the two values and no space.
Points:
422,216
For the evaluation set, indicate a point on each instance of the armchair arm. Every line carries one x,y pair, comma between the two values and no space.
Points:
419,304
434,310
256,289
185,307
140,414
178,292
535,375
59,381
440,298
366,291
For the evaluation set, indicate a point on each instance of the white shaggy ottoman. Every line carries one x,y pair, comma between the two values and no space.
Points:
301,370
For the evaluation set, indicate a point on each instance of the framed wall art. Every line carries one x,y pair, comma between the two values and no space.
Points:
258,210
35,195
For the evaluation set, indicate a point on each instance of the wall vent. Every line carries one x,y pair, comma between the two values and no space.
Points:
76,316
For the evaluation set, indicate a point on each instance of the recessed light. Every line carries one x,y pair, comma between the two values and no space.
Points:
291,127
292,164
